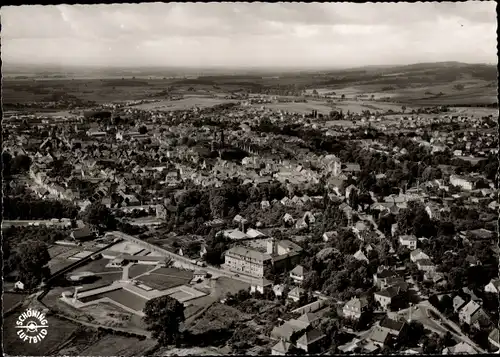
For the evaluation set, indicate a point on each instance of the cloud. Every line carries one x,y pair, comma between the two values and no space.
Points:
317,34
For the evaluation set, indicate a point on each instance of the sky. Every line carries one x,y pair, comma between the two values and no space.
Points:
327,35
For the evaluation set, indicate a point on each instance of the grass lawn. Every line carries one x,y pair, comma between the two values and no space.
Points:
162,281
111,345
9,300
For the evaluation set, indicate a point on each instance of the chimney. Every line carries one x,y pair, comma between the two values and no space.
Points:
271,246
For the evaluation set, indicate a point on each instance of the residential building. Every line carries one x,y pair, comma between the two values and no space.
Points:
460,348
385,297
19,285
462,181
494,339
408,241
297,274
426,265
458,303
417,255
310,341
493,286
296,293
471,313
355,307
281,348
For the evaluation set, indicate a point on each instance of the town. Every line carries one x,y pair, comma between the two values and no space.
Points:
261,222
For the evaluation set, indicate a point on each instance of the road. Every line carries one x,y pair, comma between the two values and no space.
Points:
421,313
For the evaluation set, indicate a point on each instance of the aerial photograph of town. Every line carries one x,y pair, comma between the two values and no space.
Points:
190,179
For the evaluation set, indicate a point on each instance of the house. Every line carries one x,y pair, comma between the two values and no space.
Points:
417,255
265,205
19,285
309,319
493,286
458,303
463,182
426,265
355,307
460,348
297,274
359,255
286,331
395,328
328,236
379,336
385,297
408,241
288,219
240,221
494,339
260,285
81,234
279,289
380,278
301,224
281,348
472,313
296,293
310,341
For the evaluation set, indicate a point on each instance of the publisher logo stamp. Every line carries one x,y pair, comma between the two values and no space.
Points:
32,326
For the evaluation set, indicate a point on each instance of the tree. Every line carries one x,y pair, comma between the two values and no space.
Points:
342,96
163,316
403,108
143,130
32,258
100,216
243,338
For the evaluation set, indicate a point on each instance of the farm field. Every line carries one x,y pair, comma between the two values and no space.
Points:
58,331
183,104
10,300
302,108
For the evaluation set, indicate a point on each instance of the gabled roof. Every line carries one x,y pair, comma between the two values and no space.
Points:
379,334
308,318
470,308
282,346
297,291
356,303
298,270
392,325
494,335
359,255
390,292
310,337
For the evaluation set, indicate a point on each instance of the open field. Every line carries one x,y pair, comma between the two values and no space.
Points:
417,84
10,300
57,332
121,296
111,345
302,108
183,104
166,278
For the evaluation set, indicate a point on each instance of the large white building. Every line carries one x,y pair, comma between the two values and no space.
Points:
246,260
